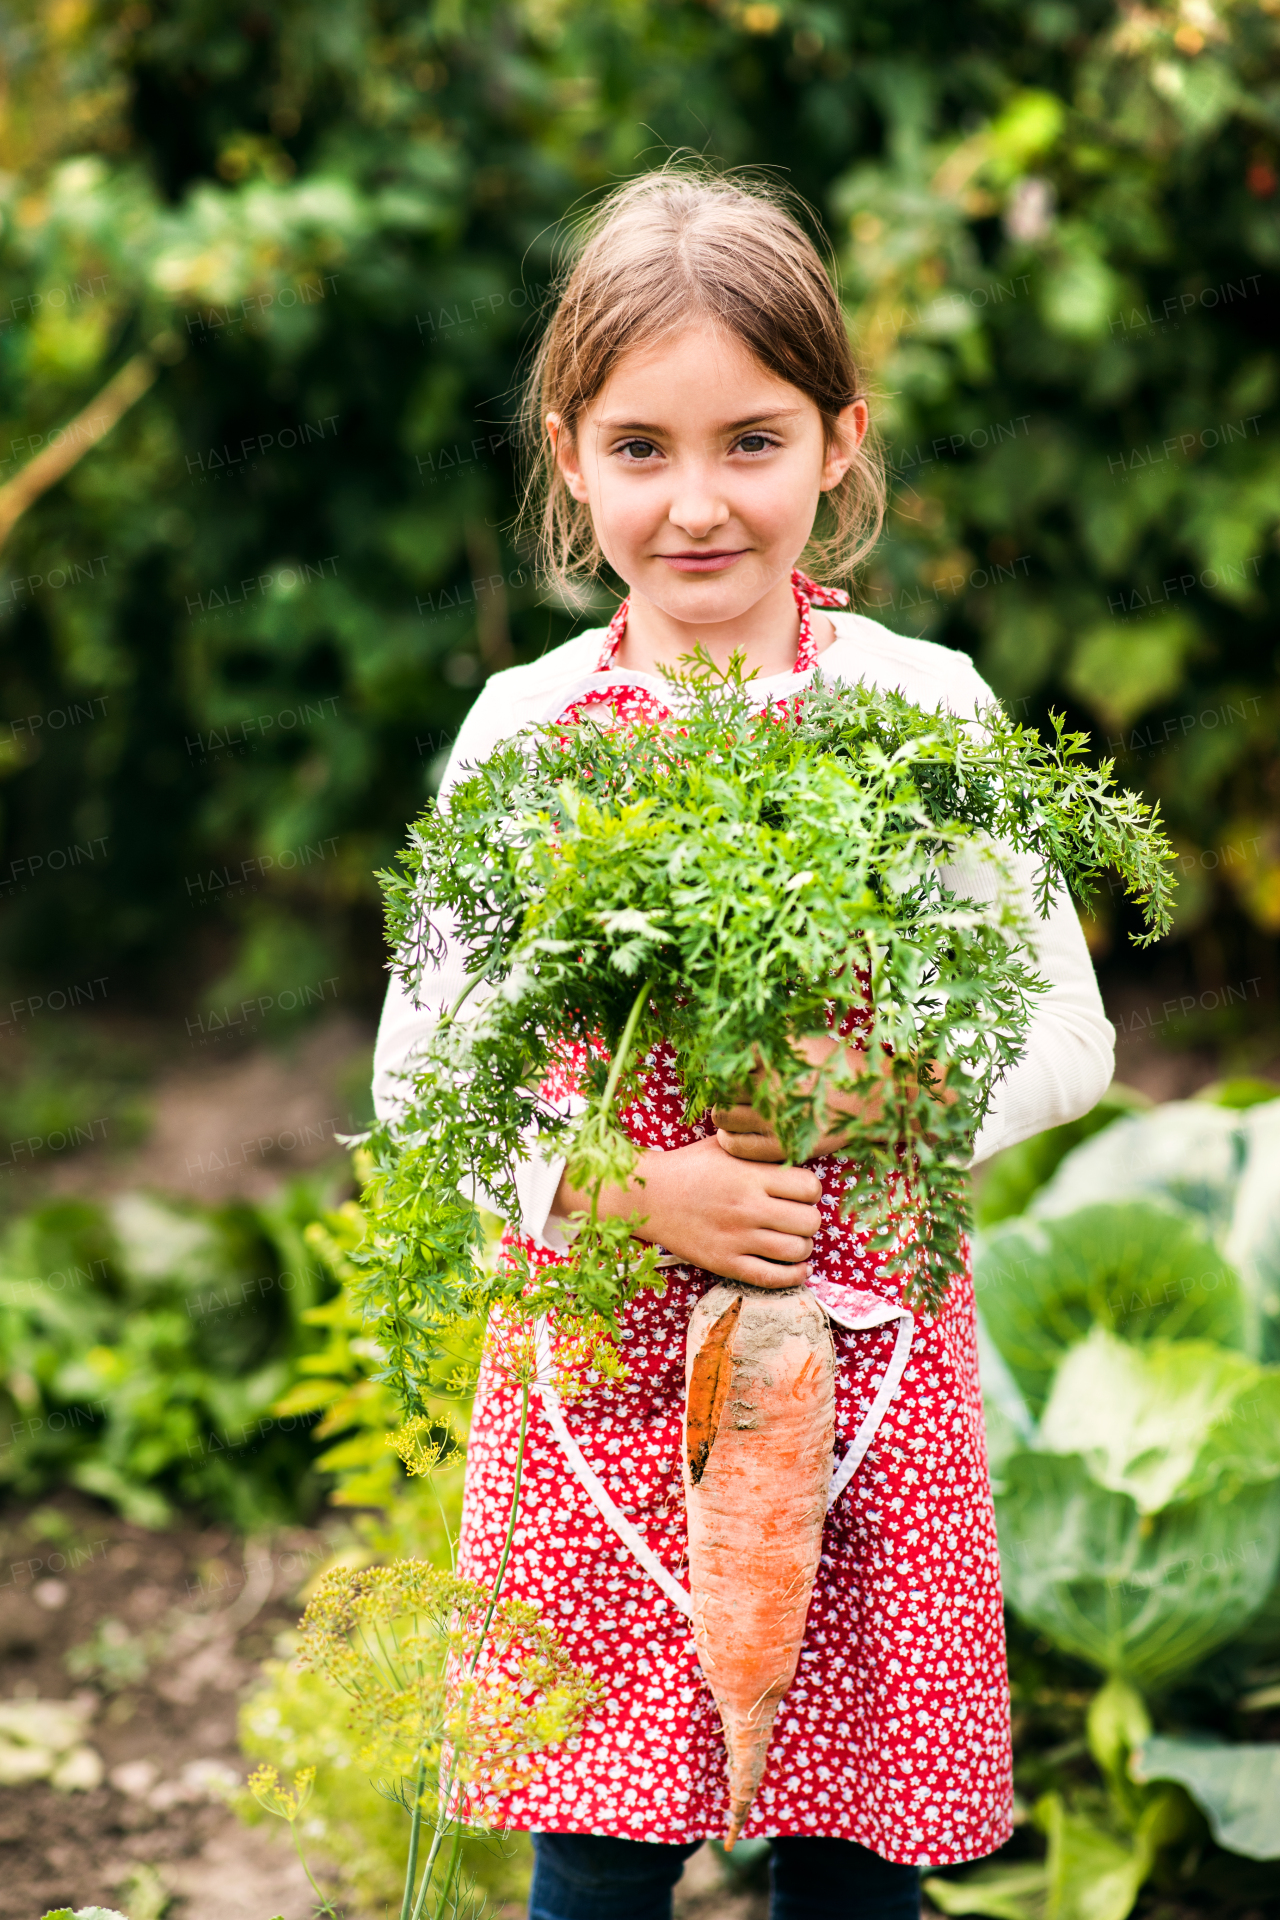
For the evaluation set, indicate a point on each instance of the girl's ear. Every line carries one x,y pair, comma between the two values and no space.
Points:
566,457
851,426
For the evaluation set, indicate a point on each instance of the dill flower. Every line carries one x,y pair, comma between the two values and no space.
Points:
422,1443
440,1674
582,1354
288,1802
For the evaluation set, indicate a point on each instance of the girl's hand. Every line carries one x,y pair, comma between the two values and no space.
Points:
745,1134
753,1223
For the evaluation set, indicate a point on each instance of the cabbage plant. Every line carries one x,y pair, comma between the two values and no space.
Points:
1141,1528
1129,1333
1133,1429
1217,1165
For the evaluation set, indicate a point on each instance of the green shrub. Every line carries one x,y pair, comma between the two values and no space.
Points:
143,1344
1053,230
68,1085
301,1720
1129,1326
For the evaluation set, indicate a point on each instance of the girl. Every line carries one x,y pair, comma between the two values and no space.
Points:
696,403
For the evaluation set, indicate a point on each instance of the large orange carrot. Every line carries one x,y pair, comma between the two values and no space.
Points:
759,1430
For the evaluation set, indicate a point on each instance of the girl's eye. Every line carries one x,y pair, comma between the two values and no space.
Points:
637,449
755,443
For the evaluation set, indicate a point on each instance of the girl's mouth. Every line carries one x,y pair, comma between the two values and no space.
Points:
710,561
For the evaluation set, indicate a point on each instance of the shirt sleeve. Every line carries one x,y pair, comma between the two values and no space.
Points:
1070,1054
408,1020
407,1024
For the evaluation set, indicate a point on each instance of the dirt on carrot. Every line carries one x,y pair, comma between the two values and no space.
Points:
760,1427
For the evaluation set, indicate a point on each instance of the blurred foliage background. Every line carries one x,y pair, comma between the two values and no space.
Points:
300,250
267,275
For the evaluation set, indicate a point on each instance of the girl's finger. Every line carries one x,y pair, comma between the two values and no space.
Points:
793,1183
739,1119
768,1273
788,1249
788,1217
763,1147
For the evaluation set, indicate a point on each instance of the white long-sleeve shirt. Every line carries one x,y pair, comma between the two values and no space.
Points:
1070,1052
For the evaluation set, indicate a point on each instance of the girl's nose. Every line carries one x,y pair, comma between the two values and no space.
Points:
697,508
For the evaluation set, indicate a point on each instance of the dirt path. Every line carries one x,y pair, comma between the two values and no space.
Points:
225,1126
154,1639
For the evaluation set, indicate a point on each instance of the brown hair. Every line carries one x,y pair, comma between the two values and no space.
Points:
670,247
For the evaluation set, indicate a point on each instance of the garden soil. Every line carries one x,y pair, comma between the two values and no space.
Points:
157,1638
233,1122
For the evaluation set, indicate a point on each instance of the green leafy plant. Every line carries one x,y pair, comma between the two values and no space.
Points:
1237,1785
75,1083
1136,1267
1146,1595
452,1691
86,1913
143,1343
145,1893
361,1415
1133,1446
1132,1430
113,1658
1095,1863
721,884
1216,1165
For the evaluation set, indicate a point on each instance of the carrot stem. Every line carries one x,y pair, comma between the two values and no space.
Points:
481,973
624,1046
616,1067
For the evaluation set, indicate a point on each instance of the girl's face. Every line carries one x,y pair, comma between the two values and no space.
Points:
703,472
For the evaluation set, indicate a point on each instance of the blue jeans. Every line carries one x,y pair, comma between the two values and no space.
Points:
587,1876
